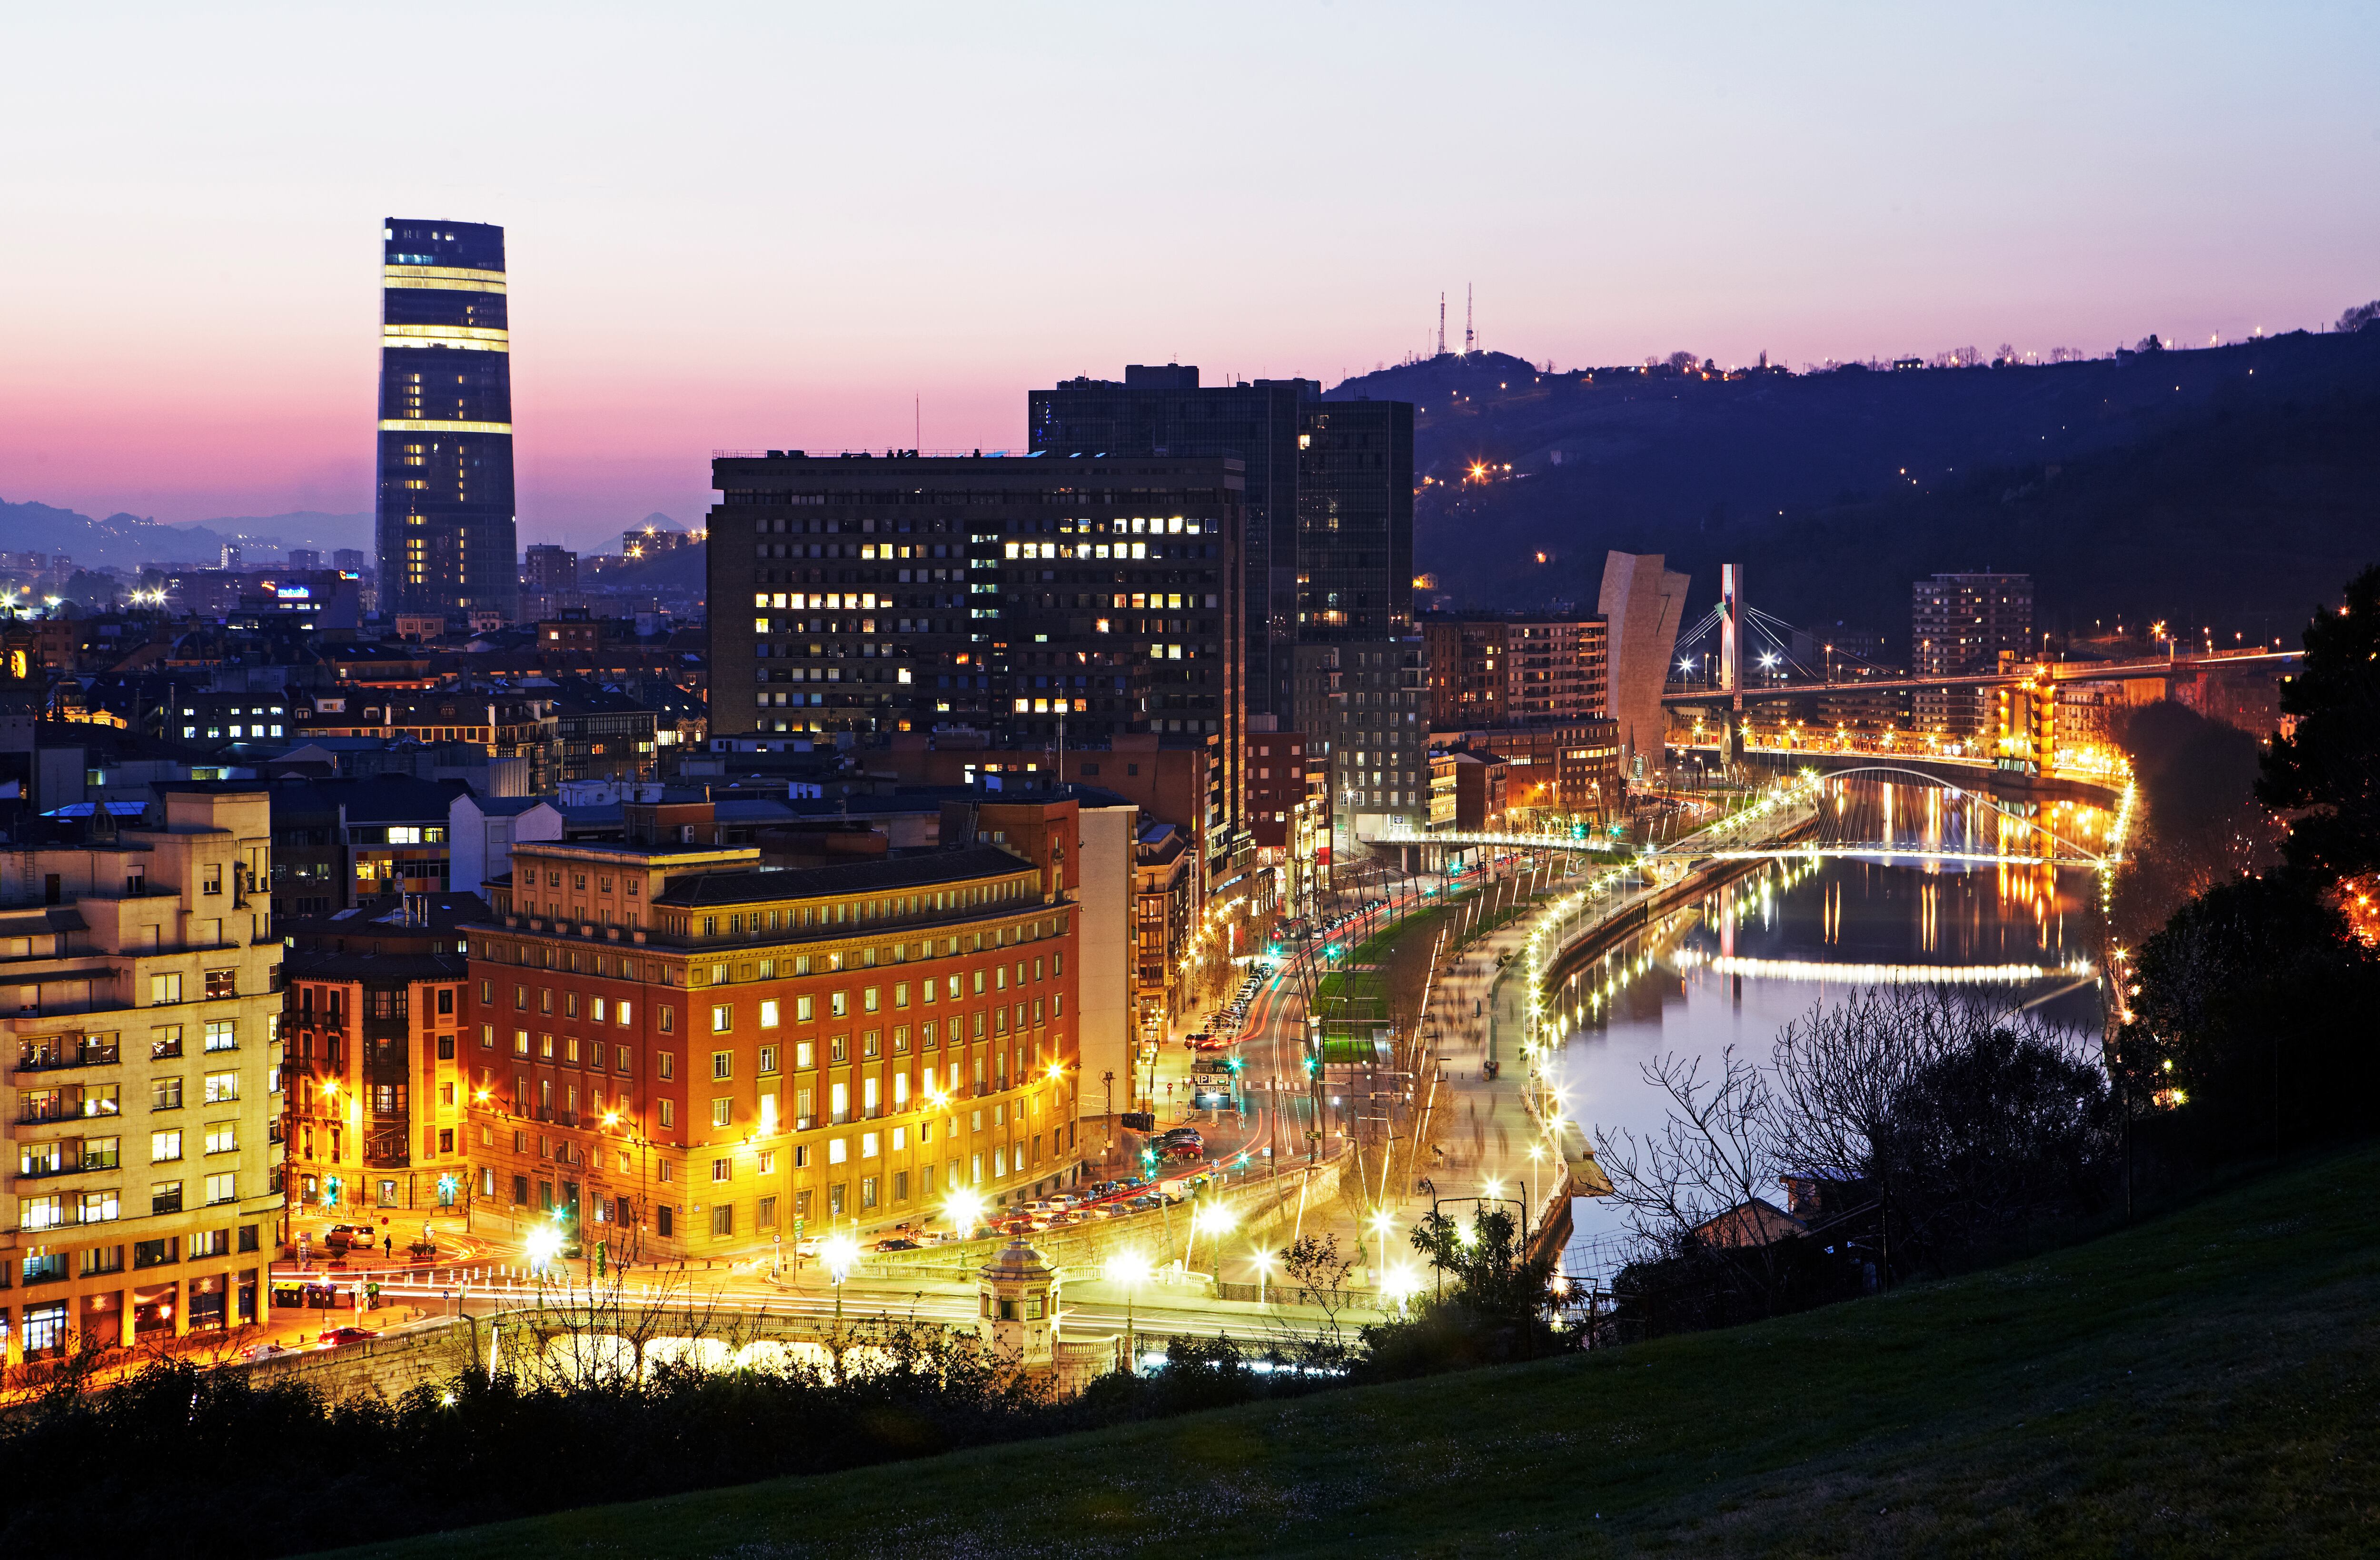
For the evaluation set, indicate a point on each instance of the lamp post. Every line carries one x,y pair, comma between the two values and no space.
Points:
839,1250
1128,1268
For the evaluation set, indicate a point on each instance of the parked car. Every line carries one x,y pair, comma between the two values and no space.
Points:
332,1337
897,1243
1181,1147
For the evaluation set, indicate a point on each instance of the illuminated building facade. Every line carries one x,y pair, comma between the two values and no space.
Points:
1164,410
1961,624
371,1014
446,499
676,1050
143,1195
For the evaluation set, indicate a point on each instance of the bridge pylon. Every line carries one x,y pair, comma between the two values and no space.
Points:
1730,633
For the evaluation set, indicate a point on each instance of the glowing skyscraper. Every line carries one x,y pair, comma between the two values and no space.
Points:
445,506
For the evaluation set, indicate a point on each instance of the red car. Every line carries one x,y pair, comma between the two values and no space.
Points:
1182,1148
332,1337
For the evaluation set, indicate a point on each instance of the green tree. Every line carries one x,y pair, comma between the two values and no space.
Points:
2252,1015
2327,769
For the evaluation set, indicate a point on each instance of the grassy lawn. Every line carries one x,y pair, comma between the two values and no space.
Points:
2205,1384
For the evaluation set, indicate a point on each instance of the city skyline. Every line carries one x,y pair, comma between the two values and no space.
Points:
1642,186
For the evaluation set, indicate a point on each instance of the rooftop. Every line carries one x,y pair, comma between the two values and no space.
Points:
923,868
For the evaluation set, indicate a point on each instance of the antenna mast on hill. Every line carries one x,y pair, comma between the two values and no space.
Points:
1441,324
1470,338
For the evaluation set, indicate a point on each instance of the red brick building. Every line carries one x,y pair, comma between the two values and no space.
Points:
683,1053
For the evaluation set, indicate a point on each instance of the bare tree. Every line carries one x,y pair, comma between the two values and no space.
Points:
1317,1272
1690,1188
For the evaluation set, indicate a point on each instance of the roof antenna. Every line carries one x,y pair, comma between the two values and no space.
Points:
1469,338
1441,323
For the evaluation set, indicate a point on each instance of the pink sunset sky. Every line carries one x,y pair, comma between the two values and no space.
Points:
776,226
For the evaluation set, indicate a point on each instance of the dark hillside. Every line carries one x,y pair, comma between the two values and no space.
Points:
2230,486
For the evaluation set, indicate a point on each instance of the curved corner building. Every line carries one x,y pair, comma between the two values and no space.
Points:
445,509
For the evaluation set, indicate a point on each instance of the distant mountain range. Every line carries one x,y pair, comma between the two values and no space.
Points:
2230,487
128,541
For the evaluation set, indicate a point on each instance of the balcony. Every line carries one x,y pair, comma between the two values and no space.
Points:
66,1051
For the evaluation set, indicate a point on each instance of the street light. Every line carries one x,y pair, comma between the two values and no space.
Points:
1214,1218
1263,1260
543,1245
965,1209
840,1252
1131,1269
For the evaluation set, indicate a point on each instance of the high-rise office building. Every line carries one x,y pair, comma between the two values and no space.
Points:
1001,595
1163,410
445,504
1960,624
1330,500
1354,522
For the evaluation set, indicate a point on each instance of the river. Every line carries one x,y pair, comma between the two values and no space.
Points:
1767,947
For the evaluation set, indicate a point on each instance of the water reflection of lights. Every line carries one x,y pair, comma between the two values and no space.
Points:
1878,974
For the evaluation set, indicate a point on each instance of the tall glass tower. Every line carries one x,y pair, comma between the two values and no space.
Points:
445,509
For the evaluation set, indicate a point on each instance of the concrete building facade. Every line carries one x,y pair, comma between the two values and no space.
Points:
143,1196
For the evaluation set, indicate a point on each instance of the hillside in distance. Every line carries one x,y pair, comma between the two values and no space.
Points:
2231,487
125,541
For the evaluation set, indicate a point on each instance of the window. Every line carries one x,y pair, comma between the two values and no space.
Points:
627,1016
156,1253
222,1187
723,1169
164,1040
868,1191
41,1213
487,1037
520,1042
668,1018
165,990
222,1088
722,1112
222,984
223,1137
837,1150
765,1213
722,1065
839,1005
620,1059
768,1060
211,878
769,1014
166,1094
164,1147
869,999
221,1035
669,1113
805,1054
722,1220
102,1207
805,1009
868,1143
768,1162
722,1019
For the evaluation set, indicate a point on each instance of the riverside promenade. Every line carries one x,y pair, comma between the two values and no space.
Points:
1497,1116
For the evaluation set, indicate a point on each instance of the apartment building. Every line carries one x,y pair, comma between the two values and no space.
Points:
145,1187
675,1051
373,1084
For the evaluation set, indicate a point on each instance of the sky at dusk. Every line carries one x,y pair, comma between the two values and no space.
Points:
781,225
